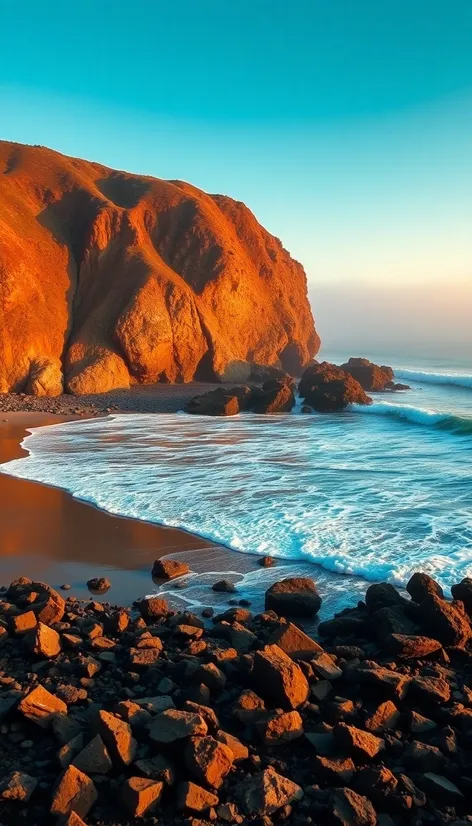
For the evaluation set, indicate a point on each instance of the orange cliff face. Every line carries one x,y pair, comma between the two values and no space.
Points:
109,279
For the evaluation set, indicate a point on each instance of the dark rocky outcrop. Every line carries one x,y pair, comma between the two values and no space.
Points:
370,376
248,720
327,388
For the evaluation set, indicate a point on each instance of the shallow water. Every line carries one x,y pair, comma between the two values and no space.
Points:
376,492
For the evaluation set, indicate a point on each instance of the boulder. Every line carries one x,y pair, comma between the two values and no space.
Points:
266,792
44,641
351,809
224,585
328,389
193,797
276,396
219,402
431,689
408,647
420,586
377,783
208,760
294,642
99,584
294,596
463,592
94,758
448,621
140,795
281,728
117,737
385,716
277,678
358,742
370,376
174,725
40,706
75,792
441,788
169,569
336,771
48,605
238,749
153,608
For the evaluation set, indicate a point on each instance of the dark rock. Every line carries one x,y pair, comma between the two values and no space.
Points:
174,725
278,678
376,782
370,376
99,584
266,561
294,596
431,689
17,786
446,620
327,388
420,586
357,741
294,641
208,760
266,792
335,771
351,809
169,569
276,396
225,586
463,592
412,647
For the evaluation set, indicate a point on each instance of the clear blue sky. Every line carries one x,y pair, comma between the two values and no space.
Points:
346,125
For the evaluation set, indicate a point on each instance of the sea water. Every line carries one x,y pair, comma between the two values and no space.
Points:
379,492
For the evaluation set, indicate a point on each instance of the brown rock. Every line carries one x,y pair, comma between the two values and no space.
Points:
370,376
117,737
294,596
191,796
23,623
278,678
266,792
140,795
44,641
351,809
100,584
238,749
208,760
219,402
169,568
94,758
446,620
423,757
75,792
408,647
335,771
376,782
174,725
420,586
324,666
153,608
463,592
294,641
327,388
144,657
276,396
390,682
207,260
40,706
386,716
157,768
431,689
17,786
281,728
358,741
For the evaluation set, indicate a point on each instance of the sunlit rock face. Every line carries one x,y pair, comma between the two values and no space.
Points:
109,279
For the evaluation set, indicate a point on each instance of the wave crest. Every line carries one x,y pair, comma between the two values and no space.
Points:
457,379
419,415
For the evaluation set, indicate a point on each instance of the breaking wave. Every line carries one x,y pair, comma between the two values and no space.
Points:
419,415
457,379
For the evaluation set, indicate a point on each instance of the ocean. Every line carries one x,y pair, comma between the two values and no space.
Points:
376,492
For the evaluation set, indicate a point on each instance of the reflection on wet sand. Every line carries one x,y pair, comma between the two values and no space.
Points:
47,534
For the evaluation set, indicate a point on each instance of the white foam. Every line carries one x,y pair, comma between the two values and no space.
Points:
427,377
353,494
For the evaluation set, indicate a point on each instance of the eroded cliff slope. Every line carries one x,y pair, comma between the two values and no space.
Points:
108,279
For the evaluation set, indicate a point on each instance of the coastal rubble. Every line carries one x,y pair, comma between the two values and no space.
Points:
108,715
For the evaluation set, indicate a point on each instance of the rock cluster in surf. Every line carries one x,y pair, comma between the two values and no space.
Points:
109,279
107,716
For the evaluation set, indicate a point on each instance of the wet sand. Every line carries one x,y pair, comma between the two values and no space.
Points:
44,531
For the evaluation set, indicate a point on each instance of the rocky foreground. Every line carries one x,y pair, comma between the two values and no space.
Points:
108,715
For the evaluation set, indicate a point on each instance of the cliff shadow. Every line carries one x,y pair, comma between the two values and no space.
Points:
123,191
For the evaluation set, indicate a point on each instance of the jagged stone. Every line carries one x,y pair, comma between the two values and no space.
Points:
278,678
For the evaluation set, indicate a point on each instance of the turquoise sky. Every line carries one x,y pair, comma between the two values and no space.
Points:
346,125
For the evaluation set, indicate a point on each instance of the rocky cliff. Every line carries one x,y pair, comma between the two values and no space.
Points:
109,279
